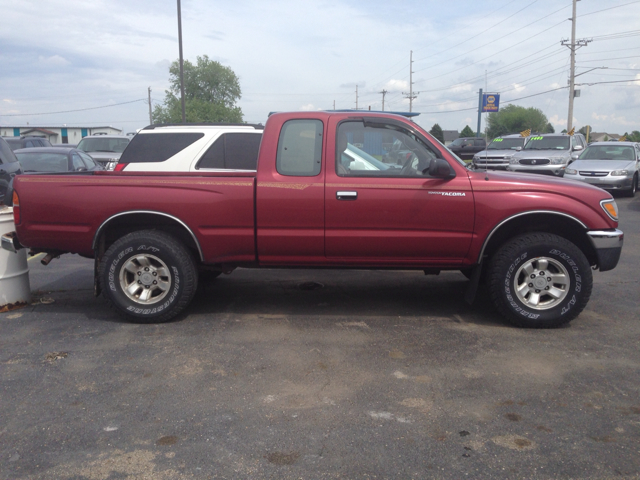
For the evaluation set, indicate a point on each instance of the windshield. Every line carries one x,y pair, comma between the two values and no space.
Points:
547,143
43,162
506,143
457,142
608,152
97,144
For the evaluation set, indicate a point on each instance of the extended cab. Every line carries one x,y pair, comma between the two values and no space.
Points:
312,200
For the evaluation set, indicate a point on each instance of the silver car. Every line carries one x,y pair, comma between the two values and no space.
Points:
547,153
497,155
608,165
104,149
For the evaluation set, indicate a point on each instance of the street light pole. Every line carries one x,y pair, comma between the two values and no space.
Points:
184,117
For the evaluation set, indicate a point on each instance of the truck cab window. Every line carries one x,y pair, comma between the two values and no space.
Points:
300,148
364,151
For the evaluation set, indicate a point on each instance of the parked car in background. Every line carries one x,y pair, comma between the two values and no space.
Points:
498,153
65,145
56,159
27,142
104,149
548,154
467,147
9,168
608,165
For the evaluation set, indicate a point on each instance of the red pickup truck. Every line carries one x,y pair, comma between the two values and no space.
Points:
324,189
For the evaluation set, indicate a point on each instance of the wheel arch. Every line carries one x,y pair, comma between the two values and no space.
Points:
557,223
122,223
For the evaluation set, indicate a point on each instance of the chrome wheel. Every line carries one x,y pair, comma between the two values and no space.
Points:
145,279
541,283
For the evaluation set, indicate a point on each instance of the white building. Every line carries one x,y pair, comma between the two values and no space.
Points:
57,134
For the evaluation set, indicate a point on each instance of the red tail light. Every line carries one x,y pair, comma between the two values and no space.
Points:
120,167
16,208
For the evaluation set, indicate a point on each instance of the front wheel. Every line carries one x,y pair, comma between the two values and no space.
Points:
540,280
634,187
148,276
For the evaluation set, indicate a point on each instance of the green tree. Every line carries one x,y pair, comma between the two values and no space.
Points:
467,132
515,119
211,91
633,136
549,128
436,131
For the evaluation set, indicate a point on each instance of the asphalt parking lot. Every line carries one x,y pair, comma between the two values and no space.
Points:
320,374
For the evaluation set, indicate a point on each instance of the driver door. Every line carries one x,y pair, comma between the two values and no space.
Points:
392,214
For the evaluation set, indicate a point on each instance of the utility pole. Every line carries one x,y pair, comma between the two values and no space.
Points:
383,92
411,95
356,97
184,117
573,46
150,118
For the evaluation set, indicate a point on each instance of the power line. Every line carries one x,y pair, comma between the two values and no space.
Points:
69,111
610,8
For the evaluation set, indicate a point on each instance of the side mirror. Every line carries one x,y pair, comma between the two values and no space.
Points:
439,168
574,156
577,148
518,149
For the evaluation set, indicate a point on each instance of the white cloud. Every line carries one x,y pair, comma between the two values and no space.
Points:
613,118
308,107
397,86
8,100
55,61
518,88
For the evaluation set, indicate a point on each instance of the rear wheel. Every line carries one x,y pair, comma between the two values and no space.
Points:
148,276
540,280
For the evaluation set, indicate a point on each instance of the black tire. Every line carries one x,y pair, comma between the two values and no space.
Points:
154,265
634,187
562,287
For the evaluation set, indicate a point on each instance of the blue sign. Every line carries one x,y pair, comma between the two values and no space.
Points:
490,102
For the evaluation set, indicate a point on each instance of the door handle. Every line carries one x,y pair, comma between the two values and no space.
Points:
347,195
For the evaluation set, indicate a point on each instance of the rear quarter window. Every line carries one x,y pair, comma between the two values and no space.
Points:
233,151
157,147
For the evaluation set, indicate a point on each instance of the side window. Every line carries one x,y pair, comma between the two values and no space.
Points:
30,144
380,151
300,148
235,151
479,143
77,162
157,147
87,159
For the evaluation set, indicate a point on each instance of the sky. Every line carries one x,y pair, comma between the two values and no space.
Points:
90,63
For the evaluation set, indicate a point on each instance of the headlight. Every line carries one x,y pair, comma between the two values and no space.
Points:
611,208
619,173
570,171
558,160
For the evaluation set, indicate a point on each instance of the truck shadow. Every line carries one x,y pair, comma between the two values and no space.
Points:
356,294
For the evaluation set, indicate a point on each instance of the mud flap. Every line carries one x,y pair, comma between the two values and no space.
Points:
474,281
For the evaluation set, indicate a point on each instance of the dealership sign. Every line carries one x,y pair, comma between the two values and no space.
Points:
490,102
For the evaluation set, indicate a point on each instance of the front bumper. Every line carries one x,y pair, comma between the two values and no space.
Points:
608,246
606,182
10,242
548,169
